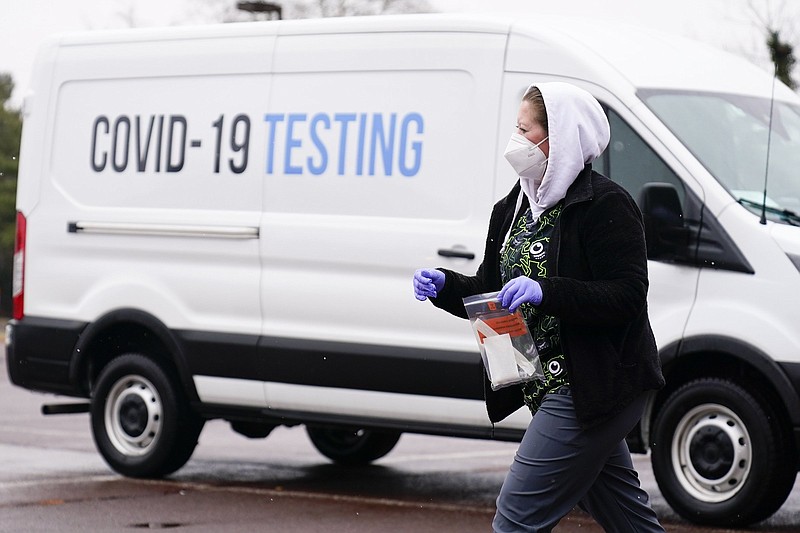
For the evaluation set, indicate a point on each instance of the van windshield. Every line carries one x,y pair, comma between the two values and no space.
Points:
729,135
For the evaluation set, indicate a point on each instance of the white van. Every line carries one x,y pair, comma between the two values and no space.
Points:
222,222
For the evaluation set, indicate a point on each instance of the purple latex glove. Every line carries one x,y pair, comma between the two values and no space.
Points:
427,283
519,291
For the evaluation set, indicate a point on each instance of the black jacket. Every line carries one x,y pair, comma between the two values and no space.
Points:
597,289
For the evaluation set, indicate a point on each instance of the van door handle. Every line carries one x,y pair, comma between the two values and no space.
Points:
463,254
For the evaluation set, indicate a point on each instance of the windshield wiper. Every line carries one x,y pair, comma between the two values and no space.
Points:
786,215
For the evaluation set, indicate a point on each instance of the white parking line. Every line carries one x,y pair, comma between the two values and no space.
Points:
448,456
21,431
39,482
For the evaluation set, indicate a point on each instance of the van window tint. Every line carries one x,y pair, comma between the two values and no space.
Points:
629,161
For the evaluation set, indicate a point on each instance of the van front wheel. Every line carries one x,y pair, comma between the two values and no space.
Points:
141,422
352,446
720,455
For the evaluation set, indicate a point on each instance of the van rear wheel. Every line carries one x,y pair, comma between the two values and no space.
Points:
352,446
141,421
720,455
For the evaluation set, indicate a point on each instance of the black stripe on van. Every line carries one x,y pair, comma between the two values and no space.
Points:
42,351
381,368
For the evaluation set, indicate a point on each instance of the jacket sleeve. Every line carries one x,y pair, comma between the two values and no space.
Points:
456,287
614,252
487,278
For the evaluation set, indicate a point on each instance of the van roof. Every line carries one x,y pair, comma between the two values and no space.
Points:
622,57
646,58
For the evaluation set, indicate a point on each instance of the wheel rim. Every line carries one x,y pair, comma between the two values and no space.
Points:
133,414
711,453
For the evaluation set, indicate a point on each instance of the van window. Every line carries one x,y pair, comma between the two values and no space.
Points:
629,161
732,135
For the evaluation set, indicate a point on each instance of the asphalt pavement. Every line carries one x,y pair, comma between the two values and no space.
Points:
53,480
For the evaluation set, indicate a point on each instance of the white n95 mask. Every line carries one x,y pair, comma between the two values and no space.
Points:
525,157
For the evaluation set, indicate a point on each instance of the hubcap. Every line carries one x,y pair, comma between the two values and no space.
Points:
711,453
133,413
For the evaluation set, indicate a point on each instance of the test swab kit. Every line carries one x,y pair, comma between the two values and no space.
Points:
505,342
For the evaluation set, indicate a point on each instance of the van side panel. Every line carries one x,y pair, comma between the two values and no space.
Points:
153,163
375,169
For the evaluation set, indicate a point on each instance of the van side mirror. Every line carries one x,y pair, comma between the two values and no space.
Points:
665,229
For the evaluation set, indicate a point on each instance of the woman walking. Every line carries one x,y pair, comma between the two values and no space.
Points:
566,247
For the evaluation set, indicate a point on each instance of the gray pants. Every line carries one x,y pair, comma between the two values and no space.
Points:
559,465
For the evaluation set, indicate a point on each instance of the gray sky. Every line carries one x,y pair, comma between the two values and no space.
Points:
728,24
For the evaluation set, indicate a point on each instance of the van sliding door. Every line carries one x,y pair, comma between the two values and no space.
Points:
380,162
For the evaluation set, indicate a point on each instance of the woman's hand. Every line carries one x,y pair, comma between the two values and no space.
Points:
427,283
518,291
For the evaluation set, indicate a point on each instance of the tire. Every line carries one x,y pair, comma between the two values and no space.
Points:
350,446
720,455
141,421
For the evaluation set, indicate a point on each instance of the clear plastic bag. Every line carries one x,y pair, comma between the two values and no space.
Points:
507,349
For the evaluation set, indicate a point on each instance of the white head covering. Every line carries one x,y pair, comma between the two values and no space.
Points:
578,133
